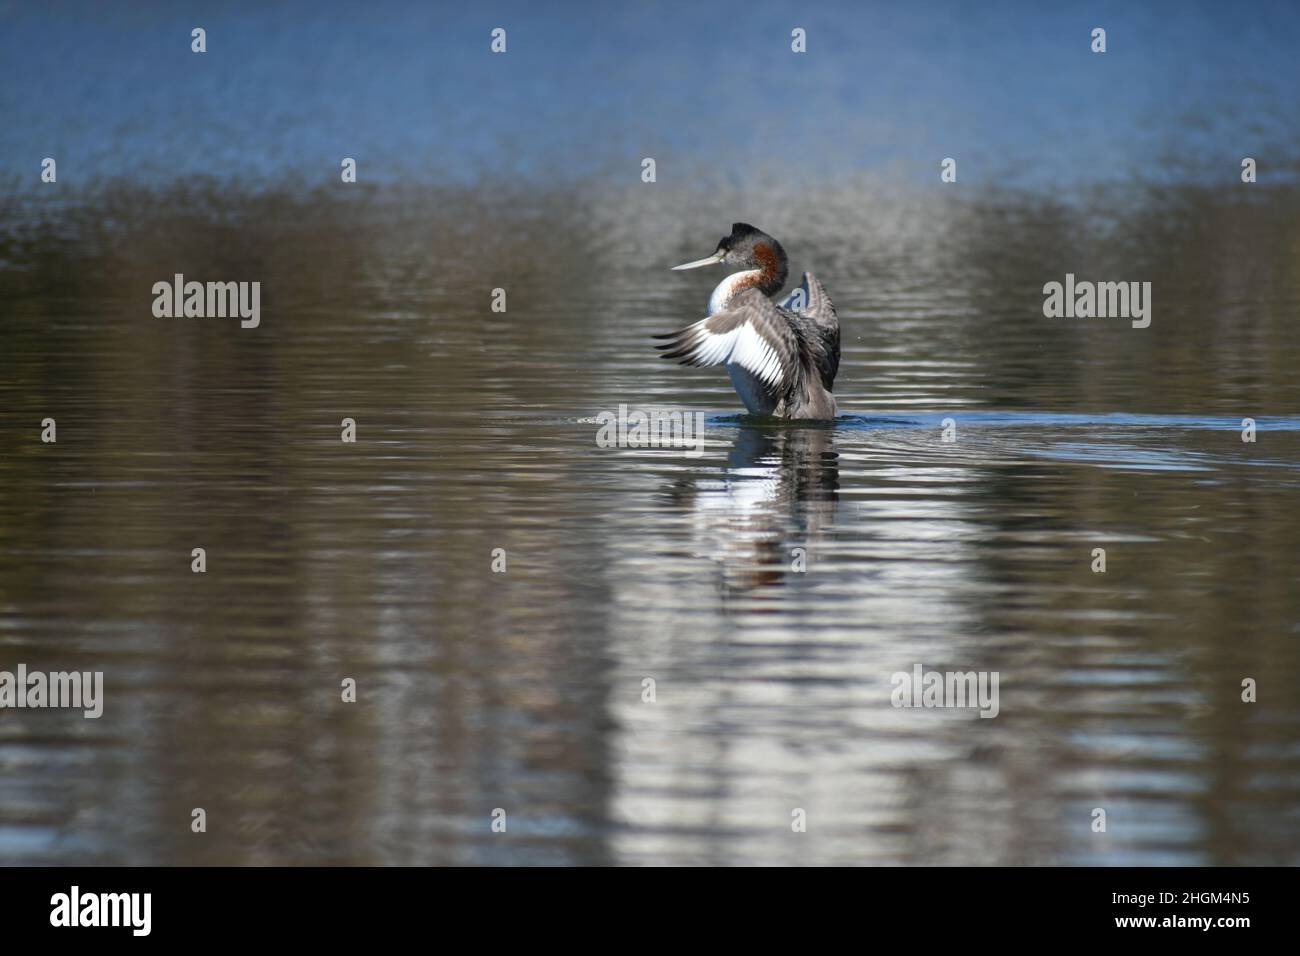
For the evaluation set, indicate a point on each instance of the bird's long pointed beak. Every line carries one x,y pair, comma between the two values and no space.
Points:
711,260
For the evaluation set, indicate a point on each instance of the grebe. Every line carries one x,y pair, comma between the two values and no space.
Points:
782,358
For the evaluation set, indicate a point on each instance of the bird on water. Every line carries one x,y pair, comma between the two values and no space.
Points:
781,356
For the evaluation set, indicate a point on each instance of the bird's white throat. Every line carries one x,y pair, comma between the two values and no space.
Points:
730,286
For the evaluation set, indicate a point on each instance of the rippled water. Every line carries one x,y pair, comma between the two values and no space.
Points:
523,690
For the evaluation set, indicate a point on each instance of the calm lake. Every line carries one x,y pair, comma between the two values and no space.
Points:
770,588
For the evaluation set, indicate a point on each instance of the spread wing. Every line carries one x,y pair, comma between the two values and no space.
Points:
809,300
752,333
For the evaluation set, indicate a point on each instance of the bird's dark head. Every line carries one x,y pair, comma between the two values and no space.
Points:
749,248
742,246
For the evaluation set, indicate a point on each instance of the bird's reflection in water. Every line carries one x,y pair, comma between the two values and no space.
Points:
765,516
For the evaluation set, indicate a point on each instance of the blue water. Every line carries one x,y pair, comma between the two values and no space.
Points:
1011,90
1050,420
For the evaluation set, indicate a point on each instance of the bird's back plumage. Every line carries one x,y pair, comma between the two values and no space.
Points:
782,362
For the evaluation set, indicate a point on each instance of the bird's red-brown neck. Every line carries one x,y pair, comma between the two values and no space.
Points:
772,267
767,272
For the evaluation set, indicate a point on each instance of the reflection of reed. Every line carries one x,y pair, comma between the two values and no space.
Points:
779,490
